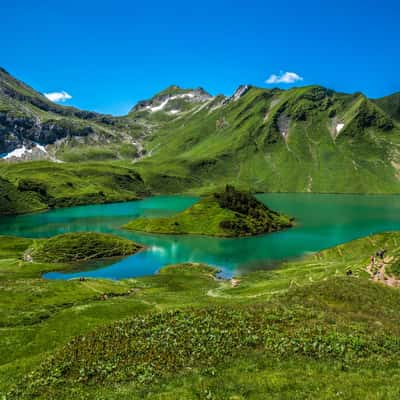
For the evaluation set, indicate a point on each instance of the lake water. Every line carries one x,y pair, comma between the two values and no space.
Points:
321,221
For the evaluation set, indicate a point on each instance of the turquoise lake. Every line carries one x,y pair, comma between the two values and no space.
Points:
321,221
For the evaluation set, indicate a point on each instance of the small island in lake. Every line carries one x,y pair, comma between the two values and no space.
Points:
80,246
230,213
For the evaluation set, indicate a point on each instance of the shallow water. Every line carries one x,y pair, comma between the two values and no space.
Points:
321,221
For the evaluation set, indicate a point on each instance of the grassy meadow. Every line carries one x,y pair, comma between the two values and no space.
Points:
305,330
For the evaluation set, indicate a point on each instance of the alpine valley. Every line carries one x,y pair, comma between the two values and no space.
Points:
234,292
307,139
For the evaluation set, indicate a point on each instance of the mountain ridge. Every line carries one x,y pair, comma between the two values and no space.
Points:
303,139
28,118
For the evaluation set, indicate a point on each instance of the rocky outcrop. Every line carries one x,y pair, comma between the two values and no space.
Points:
239,92
171,100
27,117
18,130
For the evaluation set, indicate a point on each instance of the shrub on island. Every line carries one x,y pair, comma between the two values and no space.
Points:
229,213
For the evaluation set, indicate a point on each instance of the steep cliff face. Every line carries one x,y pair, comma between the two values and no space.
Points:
17,131
30,122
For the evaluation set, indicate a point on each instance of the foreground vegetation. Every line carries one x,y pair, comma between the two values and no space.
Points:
158,346
305,330
227,213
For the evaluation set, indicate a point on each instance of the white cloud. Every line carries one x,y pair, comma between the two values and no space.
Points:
58,96
284,77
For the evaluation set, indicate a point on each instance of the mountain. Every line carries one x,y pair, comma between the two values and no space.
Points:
307,139
173,100
39,129
391,105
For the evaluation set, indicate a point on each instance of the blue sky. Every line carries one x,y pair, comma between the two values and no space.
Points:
109,54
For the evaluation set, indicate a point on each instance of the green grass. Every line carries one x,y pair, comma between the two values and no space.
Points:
260,377
12,246
391,104
195,154
13,201
315,332
213,216
160,345
394,269
84,153
33,186
82,246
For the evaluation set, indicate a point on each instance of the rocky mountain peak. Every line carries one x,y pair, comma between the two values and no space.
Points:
239,92
173,99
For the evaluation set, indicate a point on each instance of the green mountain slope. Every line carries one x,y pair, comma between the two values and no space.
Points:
308,139
304,139
391,104
32,186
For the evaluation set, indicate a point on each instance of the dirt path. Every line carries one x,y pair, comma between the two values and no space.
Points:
235,282
378,272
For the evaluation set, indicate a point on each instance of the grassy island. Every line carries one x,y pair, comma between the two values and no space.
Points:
230,213
82,246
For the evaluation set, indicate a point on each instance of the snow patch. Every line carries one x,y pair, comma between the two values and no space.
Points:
240,91
18,153
165,102
40,147
339,127
23,151
158,108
